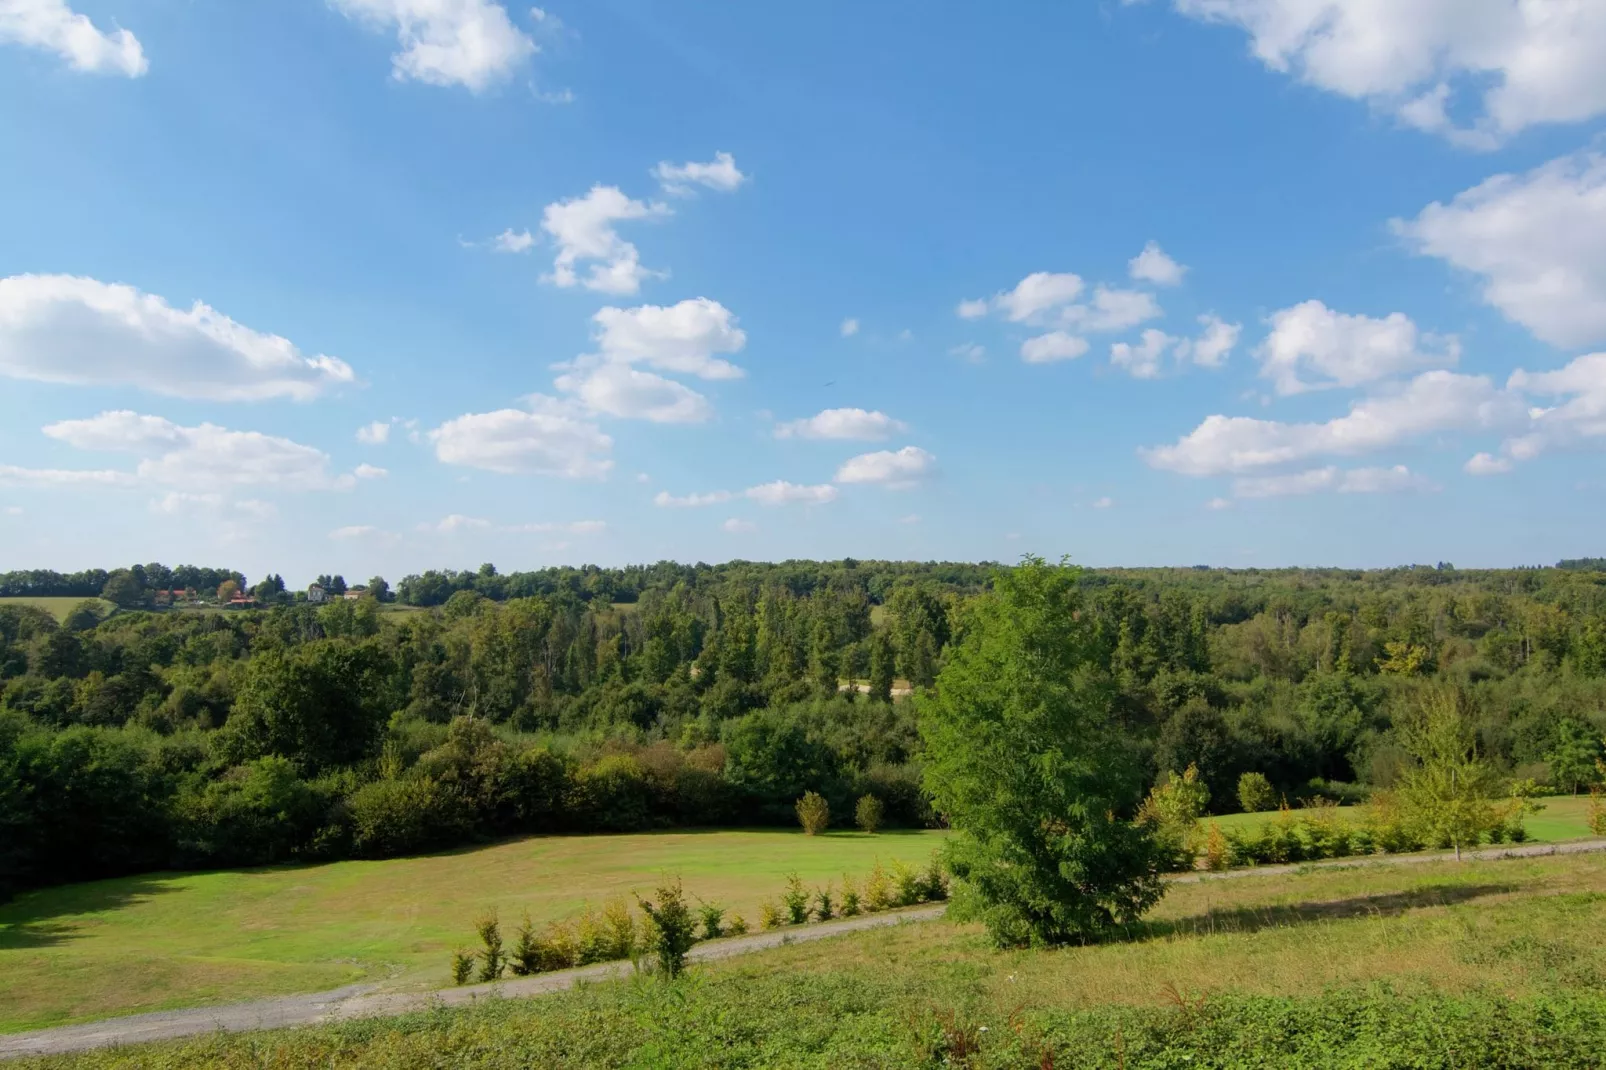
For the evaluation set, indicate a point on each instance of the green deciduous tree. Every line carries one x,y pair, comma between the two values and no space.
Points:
1024,761
1574,752
1446,787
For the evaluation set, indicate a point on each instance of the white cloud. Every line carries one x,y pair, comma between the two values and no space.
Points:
1311,347
620,390
52,26
1217,504
1039,293
1142,361
456,522
737,526
850,327
969,352
1509,63
1487,464
895,469
13,476
374,434
1210,349
853,424
972,310
1114,310
202,457
781,492
364,533
14,510
1433,401
720,174
678,338
1053,346
1354,481
573,527
1104,503
549,440
510,241
67,329
664,500
1153,265
369,471
583,228
1537,241
1580,415
472,43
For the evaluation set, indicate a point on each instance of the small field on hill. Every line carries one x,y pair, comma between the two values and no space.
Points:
58,607
1487,964
1564,817
158,941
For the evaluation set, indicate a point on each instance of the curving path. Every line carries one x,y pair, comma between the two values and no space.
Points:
362,1001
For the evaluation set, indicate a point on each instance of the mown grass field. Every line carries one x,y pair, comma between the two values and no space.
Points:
57,607
1564,817
1475,964
168,940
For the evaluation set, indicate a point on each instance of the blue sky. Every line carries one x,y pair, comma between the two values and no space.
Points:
625,281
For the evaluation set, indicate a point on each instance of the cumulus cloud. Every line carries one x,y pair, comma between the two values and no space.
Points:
853,424
896,469
52,26
1487,464
738,526
781,492
548,439
1114,310
620,390
68,329
849,328
583,229
1578,416
1153,265
1210,349
1053,299
1537,242
1051,347
364,533
1433,401
455,522
1353,481
203,457
374,434
472,43
1505,64
665,500
1311,347
14,476
679,338
572,527
969,352
369,471
510,241
1142,361
719,174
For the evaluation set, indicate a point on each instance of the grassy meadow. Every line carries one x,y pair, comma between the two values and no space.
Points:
1453,965
158,941
57,607
1564,817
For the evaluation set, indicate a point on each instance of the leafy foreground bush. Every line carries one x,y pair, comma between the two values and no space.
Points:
860,1020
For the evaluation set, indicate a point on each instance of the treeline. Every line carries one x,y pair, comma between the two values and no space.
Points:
596,699
91,582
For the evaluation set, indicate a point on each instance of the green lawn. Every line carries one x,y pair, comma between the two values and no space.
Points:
1564,817
1485,964
165,940
58,607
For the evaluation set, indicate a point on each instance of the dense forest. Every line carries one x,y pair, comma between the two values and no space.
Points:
468,705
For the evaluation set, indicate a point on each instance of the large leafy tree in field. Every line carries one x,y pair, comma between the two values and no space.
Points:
1023,759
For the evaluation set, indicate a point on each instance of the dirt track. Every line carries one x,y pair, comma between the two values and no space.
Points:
362,1001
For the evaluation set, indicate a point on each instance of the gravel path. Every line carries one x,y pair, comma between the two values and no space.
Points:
362,1001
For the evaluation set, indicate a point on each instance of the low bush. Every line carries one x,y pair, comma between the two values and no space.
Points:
796,900
813,813
867,814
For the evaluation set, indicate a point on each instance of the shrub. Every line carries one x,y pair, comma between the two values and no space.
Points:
877,889
868,813
1255,793
672,931
824,906
932,884
850,897
796,900
1217,851
737,925
813,812
1597,812
526,958
491,958
462,966
905,884
615,793
769,916
713,918
619,927
1171,814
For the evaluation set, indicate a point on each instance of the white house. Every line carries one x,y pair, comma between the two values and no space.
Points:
316,594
